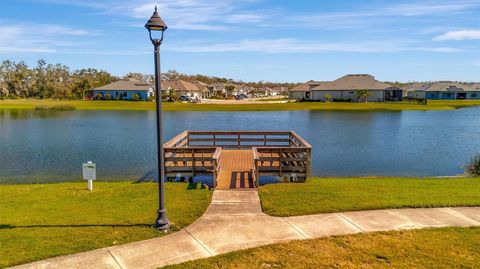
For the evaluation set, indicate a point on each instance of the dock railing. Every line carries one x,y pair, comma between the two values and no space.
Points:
275,153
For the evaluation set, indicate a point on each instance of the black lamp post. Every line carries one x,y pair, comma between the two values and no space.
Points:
155,23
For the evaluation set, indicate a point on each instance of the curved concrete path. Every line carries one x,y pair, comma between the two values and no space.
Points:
234,220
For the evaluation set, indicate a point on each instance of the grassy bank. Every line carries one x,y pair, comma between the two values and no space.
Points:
43,220
429,248
125,105
323,195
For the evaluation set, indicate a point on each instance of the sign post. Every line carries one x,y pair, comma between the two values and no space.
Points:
89,173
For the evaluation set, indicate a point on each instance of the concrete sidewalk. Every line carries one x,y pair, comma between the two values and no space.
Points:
234,220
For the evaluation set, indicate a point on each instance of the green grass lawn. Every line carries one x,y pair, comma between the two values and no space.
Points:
323,195
38,221
428,248
126,105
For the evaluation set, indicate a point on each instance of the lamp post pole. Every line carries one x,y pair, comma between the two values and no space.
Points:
156,24
162,222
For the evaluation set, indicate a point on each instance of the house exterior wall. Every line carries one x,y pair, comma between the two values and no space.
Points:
126,95
475,95
297,95
416,94
375,95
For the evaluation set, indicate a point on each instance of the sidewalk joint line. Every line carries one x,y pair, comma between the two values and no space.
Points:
115,258
461,216
351,222
297,229
200,243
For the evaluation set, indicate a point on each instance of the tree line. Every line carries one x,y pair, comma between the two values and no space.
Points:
58,81
18,80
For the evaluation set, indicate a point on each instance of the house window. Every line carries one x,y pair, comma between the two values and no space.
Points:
351,92
474,94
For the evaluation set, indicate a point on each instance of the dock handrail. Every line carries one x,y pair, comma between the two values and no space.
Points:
256,178
275,153
216,165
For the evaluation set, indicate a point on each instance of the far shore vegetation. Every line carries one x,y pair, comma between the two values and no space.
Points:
326,195
51,104
425,248
39,221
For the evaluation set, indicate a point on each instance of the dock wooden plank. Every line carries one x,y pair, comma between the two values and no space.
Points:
236,169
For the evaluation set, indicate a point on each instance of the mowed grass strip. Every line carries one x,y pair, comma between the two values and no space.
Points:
38,221
428,248
325,195
254,106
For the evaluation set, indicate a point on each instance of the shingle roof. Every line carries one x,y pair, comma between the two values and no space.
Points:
126,85
202,86
449,86
179,85
353,82
305,87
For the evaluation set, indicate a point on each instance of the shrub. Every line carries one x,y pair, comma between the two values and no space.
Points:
328,97
98,96
136,97
108,96
473,168
342,99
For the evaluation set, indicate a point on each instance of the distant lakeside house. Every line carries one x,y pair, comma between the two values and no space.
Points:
443,91
345,89
125,89
185,88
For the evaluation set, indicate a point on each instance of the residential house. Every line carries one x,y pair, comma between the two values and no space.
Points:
346,88
126,89
302,91
279,90
182,88
203,87
216,89
445,91
240,90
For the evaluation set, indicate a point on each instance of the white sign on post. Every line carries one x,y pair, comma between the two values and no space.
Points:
89,173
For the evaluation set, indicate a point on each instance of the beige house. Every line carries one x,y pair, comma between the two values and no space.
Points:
203,87
302,91
345,89
182,88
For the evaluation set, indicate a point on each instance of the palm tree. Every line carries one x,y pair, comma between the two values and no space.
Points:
328,97
229,90
363,94
172,95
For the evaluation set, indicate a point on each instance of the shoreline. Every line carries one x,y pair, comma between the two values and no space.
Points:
135,181
59,105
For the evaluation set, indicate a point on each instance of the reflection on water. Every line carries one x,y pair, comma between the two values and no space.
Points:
39,146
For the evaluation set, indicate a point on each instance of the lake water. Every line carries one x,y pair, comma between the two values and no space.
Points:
45,146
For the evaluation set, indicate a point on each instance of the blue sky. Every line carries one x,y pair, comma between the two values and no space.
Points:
252,40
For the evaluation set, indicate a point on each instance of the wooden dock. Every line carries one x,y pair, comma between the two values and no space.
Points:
237,159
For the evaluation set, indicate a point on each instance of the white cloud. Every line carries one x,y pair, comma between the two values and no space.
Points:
289,45
30,38
208,15
459,35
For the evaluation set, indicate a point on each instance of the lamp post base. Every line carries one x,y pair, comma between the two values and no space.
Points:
162,223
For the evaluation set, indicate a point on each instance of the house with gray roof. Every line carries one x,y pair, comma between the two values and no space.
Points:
345,89
125,89
302,91
445,91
